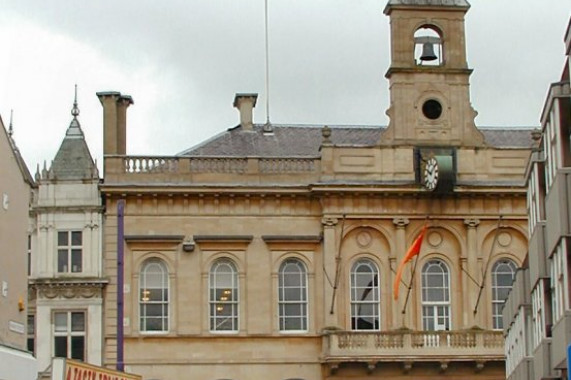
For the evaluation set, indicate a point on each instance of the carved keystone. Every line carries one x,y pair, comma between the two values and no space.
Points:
443,366
333,367
371,367
406,367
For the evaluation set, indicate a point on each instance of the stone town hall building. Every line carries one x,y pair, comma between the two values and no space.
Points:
269,251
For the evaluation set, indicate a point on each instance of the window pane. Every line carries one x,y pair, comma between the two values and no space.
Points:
60,322
293,310
62,260
76,238
60,346
293,324
31,346
153,310
31,324
76,260
77,347
293,294
154,324
62,238
292,279
77,322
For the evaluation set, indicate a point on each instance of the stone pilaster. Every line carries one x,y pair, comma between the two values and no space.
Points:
329,266
398,319
469,264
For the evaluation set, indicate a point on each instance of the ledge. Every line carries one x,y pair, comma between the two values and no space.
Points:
292,242
156,242
223,238
154,238
223,242
291,238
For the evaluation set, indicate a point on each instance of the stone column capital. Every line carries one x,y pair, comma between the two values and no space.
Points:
401,222
471,223
329,221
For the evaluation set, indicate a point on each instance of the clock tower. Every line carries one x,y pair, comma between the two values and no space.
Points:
429,76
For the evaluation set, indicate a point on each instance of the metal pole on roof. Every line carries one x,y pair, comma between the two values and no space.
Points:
267,65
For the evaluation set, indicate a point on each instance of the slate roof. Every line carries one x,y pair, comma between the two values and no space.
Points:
17,155
73,160
305,140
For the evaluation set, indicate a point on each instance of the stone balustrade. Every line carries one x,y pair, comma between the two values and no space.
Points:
182,169
422,345
150,164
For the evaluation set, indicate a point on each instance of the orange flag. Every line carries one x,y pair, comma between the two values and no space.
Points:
412,251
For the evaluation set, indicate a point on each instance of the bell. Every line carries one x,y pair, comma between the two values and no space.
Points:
428,52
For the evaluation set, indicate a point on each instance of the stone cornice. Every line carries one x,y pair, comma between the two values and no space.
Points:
69,288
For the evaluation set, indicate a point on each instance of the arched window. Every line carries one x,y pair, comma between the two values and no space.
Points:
435,296
223,296
365,296
292,297
154,296
503,273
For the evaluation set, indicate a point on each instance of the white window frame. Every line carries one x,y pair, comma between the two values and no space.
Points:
440,308
515,346
535,196
538,313
498,302
224,296
559,276
69,249
553,158
367,296
154,293
299,301
69,333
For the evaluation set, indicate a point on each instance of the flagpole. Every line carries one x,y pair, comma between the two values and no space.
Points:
410,283
485,268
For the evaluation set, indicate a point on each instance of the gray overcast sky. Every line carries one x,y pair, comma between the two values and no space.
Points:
182,61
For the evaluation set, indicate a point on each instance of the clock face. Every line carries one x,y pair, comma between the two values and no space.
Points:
431,174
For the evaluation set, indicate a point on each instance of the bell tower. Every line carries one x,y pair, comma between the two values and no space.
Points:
429,76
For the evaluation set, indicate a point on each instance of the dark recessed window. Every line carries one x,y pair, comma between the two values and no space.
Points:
432,109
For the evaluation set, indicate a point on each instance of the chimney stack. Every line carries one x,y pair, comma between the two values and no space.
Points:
114,121
245,104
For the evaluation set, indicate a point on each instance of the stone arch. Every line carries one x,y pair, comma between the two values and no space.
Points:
238,262
292,255
510,243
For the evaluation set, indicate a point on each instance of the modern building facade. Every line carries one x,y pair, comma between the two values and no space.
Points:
537,314
66,280
16,192
270,251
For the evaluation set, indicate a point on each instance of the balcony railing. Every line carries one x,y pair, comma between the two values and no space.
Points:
413,345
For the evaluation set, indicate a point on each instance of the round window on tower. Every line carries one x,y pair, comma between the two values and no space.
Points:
432,109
